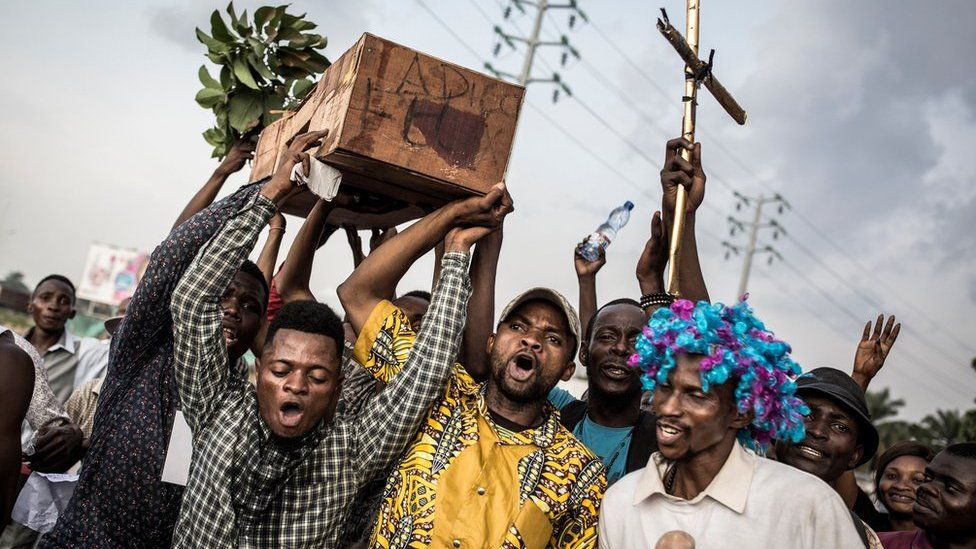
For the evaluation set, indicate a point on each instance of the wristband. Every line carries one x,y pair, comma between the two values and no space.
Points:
657,298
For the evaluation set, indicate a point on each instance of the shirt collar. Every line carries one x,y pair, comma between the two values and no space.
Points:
541,436
730,487
67,342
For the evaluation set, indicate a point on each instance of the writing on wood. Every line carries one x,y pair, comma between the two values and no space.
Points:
406,124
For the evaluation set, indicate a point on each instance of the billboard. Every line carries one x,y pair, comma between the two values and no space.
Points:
111,273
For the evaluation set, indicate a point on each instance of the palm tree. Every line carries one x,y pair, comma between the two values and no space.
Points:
947,427
883,410
881,406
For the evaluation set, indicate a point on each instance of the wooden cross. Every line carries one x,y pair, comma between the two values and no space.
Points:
697,72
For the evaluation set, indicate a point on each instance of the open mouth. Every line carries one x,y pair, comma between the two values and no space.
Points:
809,451
617,372
230,336
291,414
522,366
668,433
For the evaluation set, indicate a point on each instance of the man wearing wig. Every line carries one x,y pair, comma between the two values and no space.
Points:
723,389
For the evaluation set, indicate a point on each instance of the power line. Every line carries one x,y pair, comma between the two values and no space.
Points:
853,316
941,328
558,127
933,391
865,297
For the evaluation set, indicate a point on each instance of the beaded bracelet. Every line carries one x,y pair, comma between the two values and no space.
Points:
656,299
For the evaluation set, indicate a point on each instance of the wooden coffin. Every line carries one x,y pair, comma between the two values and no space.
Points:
402,124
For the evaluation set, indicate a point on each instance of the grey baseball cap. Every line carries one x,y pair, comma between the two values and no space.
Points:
554,297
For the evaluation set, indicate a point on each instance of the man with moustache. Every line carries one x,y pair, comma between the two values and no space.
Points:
722,384
276,466
491,466
945,504
610,422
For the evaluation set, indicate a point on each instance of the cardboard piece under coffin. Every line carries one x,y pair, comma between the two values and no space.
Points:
403,124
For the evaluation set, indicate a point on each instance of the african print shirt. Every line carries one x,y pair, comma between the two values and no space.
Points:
120,500
465,483
248,488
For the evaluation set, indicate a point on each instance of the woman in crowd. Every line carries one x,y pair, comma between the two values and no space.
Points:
900,470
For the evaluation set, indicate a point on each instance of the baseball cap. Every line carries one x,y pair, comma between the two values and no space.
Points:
554,297
840,387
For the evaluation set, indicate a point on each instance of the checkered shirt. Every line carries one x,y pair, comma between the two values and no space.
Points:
248,488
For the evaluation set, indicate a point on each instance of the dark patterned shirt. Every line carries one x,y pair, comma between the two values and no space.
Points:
120,500
250,489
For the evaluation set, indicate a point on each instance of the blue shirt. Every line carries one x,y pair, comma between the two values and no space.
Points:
610,444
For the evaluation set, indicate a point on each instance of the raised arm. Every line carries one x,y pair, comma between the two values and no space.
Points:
586,277
200,352
481,311
652,262
239,154
678,171
376,278
391,419
296,272
269,253
873,349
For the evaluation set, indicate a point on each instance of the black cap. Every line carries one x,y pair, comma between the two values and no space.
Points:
838,386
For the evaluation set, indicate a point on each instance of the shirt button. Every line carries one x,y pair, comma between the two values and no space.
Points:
481,490
457,543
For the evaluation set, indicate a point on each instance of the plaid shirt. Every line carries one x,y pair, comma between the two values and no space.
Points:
249,489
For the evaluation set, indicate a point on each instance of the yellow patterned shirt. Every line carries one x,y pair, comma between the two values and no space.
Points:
462,483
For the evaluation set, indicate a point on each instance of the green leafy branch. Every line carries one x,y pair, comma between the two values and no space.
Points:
265,67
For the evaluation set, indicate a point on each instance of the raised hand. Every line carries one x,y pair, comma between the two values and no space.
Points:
477,217
584,268
237,156
281,185
654,258
379,237
678,171
355,244
873,349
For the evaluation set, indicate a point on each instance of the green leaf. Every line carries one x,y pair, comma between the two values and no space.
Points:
257,46
243,74
207,80
219,29
259,66
214,46
245,110
302,87
262,15
209,97
225,80
230,11
272,29
288,33
214,136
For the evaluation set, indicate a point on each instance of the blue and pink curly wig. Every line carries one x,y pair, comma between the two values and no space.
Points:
736,346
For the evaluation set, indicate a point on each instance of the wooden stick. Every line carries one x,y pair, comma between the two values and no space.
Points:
688,132
695,65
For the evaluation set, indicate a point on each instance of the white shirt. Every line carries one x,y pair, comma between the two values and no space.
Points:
753,502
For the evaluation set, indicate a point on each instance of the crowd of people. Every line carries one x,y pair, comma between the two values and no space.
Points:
418,420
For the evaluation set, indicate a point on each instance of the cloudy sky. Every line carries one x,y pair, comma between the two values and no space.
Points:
861,114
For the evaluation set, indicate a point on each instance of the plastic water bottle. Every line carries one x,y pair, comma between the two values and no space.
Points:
606,232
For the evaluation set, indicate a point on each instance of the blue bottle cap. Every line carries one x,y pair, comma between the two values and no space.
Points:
629,205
